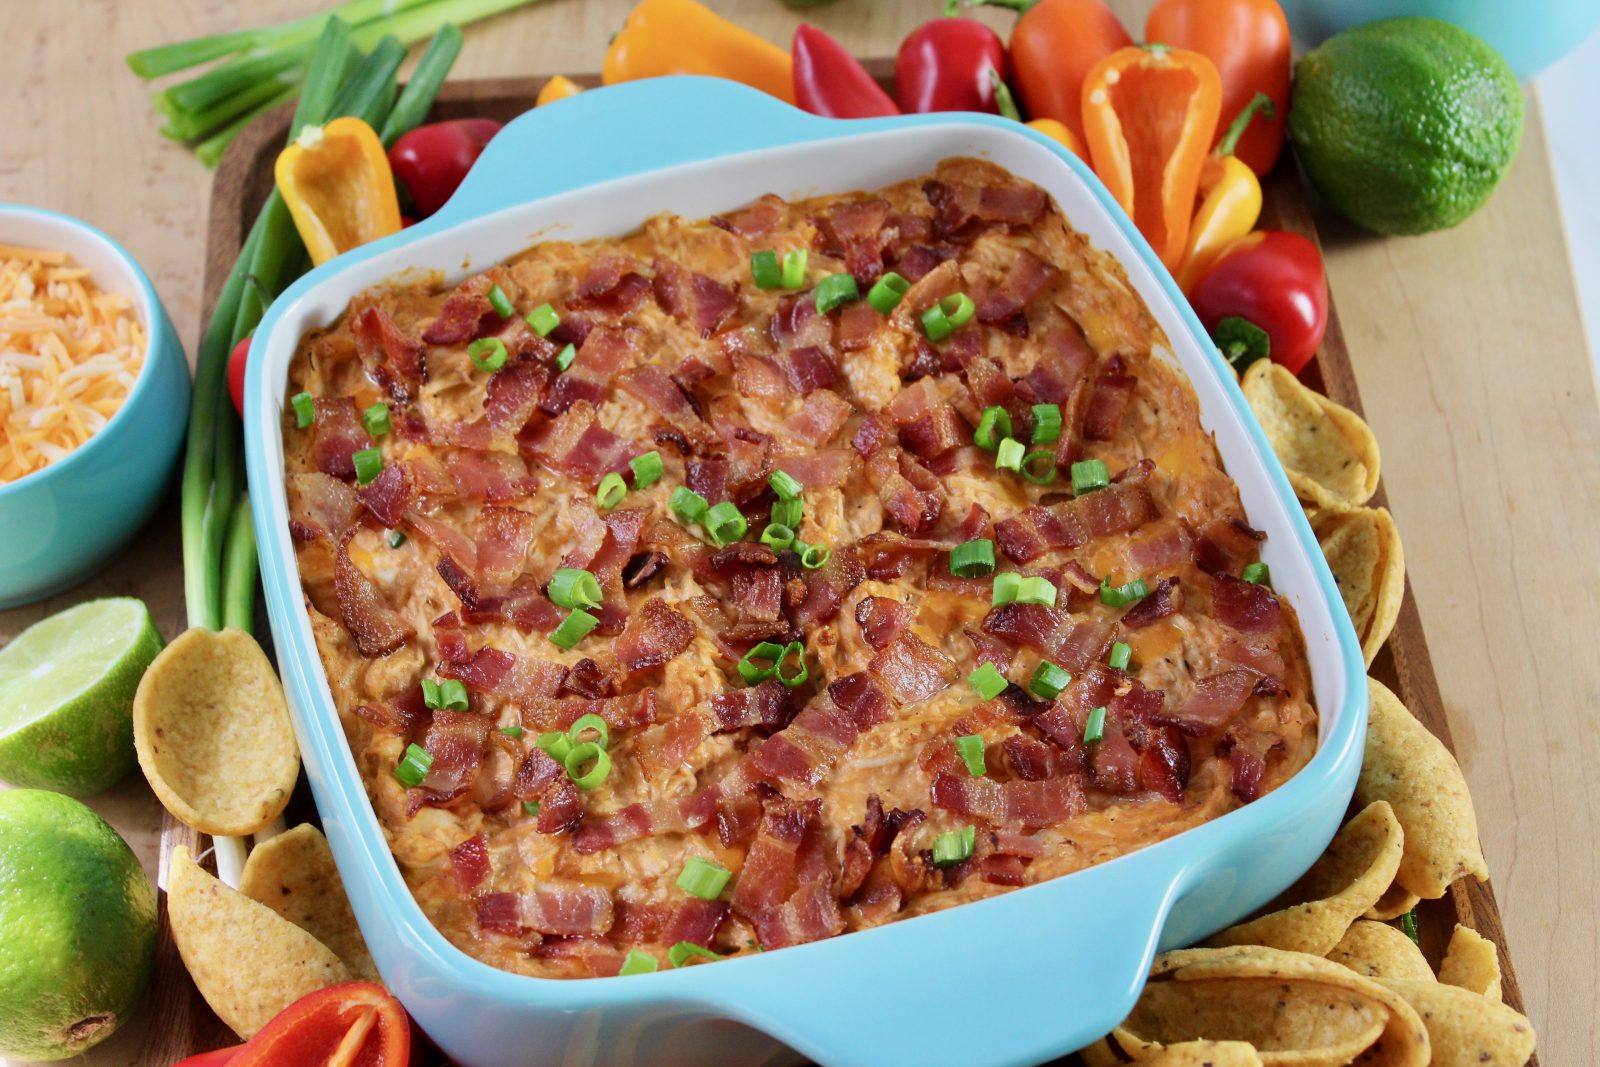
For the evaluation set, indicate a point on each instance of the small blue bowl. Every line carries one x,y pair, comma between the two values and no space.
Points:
61,524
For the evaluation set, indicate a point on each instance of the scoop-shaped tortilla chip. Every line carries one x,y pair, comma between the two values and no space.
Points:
294,875
1378,950
1100,1054
1206,1054
1471,962
246,960
1395,902
1316,911
1329,453
1465,1029
1412,770
1291,1007
213,734
1363,550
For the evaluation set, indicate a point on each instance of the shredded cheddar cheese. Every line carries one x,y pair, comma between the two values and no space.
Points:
69,355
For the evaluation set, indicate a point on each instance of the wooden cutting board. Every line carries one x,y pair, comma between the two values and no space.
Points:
183,1025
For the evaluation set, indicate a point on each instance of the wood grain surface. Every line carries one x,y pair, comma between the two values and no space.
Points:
1467,346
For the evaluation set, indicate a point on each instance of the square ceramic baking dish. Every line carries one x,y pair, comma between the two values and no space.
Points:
1015,979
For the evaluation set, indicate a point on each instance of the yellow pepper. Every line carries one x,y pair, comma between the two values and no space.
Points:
1230,199
336,182
1060,131
683,37
557,88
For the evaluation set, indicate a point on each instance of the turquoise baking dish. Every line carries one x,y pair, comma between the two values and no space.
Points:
1016,979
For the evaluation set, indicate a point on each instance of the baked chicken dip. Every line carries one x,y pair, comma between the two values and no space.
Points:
744,582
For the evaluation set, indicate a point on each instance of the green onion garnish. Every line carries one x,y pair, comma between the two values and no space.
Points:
1048,680
487,353
511,731
376,419
989,682
574,628
1089,475
584,724
785,485
834,290
794,268
1006,584
953,847
788,513
543,319
305,409
565,357
368,462
704,879
947,316
761,662
555,744
973,559
684,951
725,523
1257,574
1096,726
571,587
1036,589
1408,926
637,962
1119,596
1121,656
777,536
430,693
813,557
1046,424
612,489
395,538
452,695
582,755
414,767
530,807
764,269
1008,457
887,292
689,506
797,651
993,427
1039,466
970,749
646,469
501,303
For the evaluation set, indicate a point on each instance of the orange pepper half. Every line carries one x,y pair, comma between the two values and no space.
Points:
1149,115
683,37
336,182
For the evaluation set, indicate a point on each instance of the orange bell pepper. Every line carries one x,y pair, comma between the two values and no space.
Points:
557,88
336,182
1148,117
683,37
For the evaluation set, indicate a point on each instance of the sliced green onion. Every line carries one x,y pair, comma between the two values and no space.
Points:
797,651
1048,680
973,559
1036,589
1006,585
646,469
368,462
376,419
571,587
993,427
704,879
689,506
788,513
989,682
487,353
574,628
637,962
1046,424
1095,728
305,409
555,744
761,662
501,303
953,847
565,357
585,723
1120,596
543,319
1008,457
1089,475
887,292
1039,466
1408,926
452,695
785,485
511,731
813,557
834,290
395,538
1257,574
764,269
725,523
430,693
777,536
1121,655
970,749
612,489
794,268
582,755
947,316
530,807
414,767
684,951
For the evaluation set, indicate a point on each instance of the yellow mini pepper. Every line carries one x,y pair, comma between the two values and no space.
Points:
557,88
1061,132
1230,199
683,37
335,181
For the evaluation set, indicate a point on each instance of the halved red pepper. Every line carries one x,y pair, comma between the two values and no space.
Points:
357,1023
949,64
829,81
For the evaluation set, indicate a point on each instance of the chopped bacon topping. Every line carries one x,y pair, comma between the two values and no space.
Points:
605,353
1021,803
1215,700
336,436
1226,545
702,301
469,863
757,219
653,636
1072,523
761,705
611,288
1025,280
578,446
1244,606
1108,400
320,503
820,418
375,626
912,669
882,620
395,361
556,910
1161,602
854,231
455,740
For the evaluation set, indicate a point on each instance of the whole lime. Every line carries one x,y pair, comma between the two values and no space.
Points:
1405,125
77,927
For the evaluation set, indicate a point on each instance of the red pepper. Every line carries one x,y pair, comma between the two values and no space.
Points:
340,1026
430,161
221,1057
950,64
1267,283
236,365
829,81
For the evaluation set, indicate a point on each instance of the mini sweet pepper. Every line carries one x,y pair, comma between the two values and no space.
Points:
336,182
682,37
1230,198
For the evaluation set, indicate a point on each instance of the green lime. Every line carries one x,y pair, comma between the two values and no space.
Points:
1405,125
77,927
66,696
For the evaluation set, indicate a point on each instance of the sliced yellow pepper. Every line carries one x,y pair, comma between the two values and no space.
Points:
683,37
1230,199
1060,131
335,181
558,88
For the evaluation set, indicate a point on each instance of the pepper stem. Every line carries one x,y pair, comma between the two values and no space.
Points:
1261,103
951,7
1003,98
1021,7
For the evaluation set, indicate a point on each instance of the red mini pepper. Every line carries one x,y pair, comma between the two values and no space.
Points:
237,359
829,81
949,64
1266,295
357,1023
431,161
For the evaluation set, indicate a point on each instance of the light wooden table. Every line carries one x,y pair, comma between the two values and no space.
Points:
1468,346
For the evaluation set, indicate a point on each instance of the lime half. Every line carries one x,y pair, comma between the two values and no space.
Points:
66,696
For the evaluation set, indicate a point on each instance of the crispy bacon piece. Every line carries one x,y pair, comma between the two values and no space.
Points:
664,396
760,705
963,210
1052,632
455,740
1025,280
450,640
803,751
785,886
820,418
556,910
758,595
858,325
695,921
935,433
796,323
1108,400
336,436
1158,547
605,353
611,288
863,698
469,863
826,589
758,376
628,712
807,369
465,315
756,219
912,669
1225,545
1029,760
513,393
668,815
1162,601
1164,763
915,507
1244,606
1214,702
395,361
1063,358
1114,762
376,627
653,636
830,468
575,444
320,504
1072,523
855,231
495,672
1021,803
703,302
498,477
389,494
882,620
1246,769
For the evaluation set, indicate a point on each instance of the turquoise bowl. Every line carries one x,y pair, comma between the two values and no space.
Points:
60,525
1016,979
